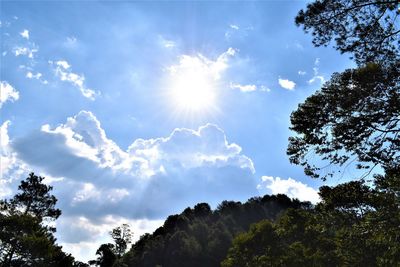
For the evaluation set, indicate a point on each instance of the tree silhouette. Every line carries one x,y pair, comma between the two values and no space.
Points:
355,117
122,236
106,256
24,240
368,29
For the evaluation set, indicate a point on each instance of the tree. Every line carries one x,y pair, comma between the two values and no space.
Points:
24,239
355,117
35,199
366,28
200,236
355,224
106,256
122,236
257,247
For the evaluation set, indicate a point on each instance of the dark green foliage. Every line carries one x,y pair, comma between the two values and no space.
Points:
35,198
368,29
109,253
24,239
353,225
25,242
106,256
122,236
355,117
200,236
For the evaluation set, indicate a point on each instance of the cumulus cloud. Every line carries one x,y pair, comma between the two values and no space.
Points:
7,93
5,159
11,168
287,84
244,88
25,34
96,179
63,71
290,187
152,178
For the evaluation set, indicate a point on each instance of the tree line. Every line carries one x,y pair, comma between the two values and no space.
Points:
353,121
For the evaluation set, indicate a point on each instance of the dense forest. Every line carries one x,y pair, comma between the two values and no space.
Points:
353,121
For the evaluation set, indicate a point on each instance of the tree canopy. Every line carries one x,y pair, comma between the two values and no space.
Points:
109,253
200,236
368,29
25,240
353,225
355,116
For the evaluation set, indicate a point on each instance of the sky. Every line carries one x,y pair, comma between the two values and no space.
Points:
135,110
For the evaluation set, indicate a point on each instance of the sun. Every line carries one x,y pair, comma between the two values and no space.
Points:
193,91
192,86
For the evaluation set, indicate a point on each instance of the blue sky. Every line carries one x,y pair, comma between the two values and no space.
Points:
135,110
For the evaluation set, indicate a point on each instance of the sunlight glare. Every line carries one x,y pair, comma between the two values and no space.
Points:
192,86
193,92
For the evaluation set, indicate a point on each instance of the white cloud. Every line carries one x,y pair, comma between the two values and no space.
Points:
4,138
64,64
6,159
287,84
7,93
193,82
237,32
264,88
25,34
30,75
166,43
169,44
200,63
25,51
150,180
290,187
187,167
63,71
300,72
5,190
189,149
11,169
244,88
38,76
316,76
